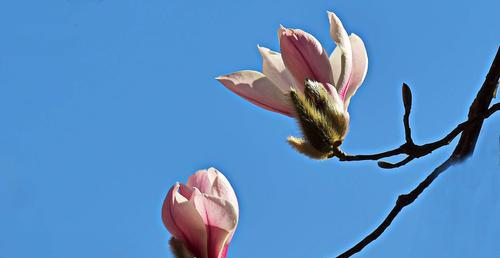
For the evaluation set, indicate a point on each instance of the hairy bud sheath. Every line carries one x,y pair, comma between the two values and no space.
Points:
179,249
322,119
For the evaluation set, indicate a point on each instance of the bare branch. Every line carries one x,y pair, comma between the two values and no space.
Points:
470,129
416,151
402,201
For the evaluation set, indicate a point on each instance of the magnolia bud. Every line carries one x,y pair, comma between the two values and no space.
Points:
406,92
202,214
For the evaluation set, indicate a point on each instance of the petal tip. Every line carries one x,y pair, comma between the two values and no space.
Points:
283,30
333,17
356,37
213,171
223,78
262,49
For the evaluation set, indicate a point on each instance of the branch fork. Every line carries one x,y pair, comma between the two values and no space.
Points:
479,110
412,150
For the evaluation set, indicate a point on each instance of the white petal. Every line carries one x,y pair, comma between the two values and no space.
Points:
258,89
274,68
336,67
359,67
344,58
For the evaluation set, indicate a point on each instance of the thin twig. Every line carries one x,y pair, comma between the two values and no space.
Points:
416,151
402,201
407,99
465,147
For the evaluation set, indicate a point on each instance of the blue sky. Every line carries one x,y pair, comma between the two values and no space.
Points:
105,104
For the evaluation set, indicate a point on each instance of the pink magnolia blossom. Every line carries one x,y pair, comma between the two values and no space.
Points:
203,214
302,57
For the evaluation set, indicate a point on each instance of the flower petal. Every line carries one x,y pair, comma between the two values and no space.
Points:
223,189
186,191
274,68
212,182
258,89
224,251
191,224
339,107
167,213
221,219
218,242
215,211
341,58
203,180
304,57
359,68
335,60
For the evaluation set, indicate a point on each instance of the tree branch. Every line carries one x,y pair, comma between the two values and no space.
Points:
470,129
412,150
416,151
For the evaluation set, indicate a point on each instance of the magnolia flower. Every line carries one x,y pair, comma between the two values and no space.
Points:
320,103
202,214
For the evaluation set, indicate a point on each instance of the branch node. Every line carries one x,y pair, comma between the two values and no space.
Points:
404,200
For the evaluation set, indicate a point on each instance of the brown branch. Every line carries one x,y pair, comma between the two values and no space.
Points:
414,151
417,151
402,201
465,147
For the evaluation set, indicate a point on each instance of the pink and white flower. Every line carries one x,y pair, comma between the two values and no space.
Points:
302,57
203,214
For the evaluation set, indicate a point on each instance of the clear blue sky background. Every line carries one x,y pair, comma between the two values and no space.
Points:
104,104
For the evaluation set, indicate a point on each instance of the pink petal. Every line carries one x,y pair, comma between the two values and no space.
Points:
304,57
215,211
191,224
203,180
167,215
330,88
359,69
186,191
220,217
212,182
337,100
274,68
224,251
342,59
223,189
258,89
218,242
